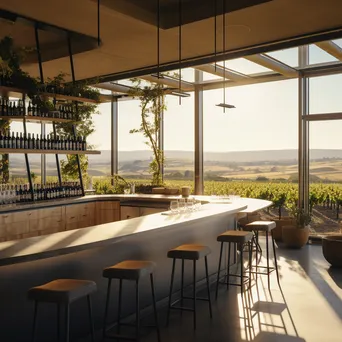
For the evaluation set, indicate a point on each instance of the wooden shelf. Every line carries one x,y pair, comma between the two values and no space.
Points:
16,92
30,118
29,151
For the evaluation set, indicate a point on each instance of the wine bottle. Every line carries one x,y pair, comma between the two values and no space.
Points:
4,107
1,140
9,140
21,141
10,109
17,141
38,147
25,141
29,109
5,140
14,141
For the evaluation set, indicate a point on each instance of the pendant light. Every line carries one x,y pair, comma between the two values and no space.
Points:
224,105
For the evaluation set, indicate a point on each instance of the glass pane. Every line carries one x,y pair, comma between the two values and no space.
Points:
317,55
287,56
245,66
325,94
325,176
255,141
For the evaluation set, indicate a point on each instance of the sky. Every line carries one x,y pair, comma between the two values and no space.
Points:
265,117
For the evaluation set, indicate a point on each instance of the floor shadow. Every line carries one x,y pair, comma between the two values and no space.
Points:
336,275
265,336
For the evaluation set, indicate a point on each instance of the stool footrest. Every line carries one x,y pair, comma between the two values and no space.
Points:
197,298
121,337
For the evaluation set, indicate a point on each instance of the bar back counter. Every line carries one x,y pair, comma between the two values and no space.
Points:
84,252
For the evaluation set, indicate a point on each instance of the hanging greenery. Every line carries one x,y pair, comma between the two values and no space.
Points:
152,104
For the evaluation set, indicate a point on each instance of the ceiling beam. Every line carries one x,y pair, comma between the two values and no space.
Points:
273,64
218,70
331,48
258,78
168,81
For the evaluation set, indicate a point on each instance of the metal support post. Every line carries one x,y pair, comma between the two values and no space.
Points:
28,169
161,136
199,178
303,132
40,64
73,126
114,138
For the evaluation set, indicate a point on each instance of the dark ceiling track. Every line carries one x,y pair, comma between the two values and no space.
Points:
215,32
180,50
98,23
269,46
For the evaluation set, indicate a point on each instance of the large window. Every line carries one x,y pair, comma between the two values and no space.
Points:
255,141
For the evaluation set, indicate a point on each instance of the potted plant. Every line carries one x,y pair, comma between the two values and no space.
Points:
279,201
296,234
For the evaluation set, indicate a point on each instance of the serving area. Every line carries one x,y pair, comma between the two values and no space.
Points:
83,253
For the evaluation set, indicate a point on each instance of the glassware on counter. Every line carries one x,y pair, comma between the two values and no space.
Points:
174,207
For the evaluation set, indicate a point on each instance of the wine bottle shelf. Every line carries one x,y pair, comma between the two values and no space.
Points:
29,151
16,92
36,119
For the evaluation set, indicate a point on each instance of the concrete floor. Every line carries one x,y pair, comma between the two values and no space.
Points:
308,307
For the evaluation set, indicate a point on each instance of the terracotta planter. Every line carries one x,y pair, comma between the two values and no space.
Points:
332,249
278,230
295,237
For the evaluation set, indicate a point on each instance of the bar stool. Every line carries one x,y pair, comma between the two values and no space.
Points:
132,270
267,227
62,292
240,239
194,253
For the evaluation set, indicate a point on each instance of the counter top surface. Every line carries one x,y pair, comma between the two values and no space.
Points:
252,204
80,239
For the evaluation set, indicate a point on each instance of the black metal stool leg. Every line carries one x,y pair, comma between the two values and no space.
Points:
194,293
275,257
208,285
106,309
218,270
241,266
67,323
256,256
119,307
34,326
137,308
228,264
170,292
268,262
250,251
155,307
58,323
90,310
182,286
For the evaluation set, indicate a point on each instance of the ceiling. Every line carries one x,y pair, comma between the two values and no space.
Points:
129,44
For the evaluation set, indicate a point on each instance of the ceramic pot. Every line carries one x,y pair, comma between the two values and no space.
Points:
295,237
332,249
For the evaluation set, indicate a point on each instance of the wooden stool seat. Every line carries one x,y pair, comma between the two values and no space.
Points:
189,252
264,226
235,236
62,291
129,270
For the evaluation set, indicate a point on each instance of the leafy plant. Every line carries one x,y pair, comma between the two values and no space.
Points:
301,217
152,104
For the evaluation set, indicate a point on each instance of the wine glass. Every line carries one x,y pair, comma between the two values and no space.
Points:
174,207
181,205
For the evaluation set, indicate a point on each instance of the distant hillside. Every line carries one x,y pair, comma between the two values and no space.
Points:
238,157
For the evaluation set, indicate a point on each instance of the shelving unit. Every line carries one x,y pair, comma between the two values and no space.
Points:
36,119
14,92
29,151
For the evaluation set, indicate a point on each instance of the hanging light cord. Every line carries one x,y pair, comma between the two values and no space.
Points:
158,36
180,48
215,29
98,23
224,52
